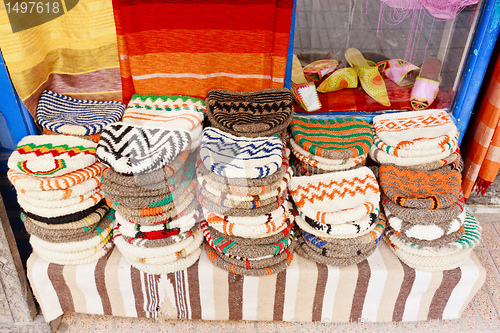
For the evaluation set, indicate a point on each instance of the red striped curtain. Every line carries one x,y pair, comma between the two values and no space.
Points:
482,144
190,47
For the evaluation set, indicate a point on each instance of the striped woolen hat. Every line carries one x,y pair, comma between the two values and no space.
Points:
334,191
418,162
66,115
256,113
444,146
435,189
235,157
172,111
415,130
52,155
131,149
338,139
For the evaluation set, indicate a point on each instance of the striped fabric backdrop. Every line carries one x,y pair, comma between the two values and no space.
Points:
380,288
482,144
189,47
75,54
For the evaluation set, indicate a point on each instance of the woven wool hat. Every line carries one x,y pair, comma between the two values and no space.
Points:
454,160
337,139
324,168
251,114
409,152
269,228
213,178
133,149
344,230
434,189
64,182
151,180
220,261
382,157
63,114
160,242
174,111
49,203
301,169
232,156
178,265
469,240
74,258
445,239
415,130
229,245
184,208
81,190
325,163
221,210
87,223
51,212
68,218
423,216
334,191
426,232
52,155
91,137
140,191
308,253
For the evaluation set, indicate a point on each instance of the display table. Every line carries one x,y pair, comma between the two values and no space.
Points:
380,288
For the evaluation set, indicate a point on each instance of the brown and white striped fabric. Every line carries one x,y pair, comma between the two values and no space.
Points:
380,288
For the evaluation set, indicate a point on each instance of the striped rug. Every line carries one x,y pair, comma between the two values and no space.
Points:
380,288
192,47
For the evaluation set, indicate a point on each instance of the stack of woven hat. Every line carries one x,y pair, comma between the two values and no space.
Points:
420,181
337,216
151,182
251,114
243,194
58,179
328,145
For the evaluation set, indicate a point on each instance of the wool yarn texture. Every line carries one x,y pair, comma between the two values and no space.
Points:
130,149
325,163
232,156
184,208
415,130
308,253
323,167
409,152
151,180
435,189
84,189
178,265
470,239
334,191
50,212
382,157
338,139
423,216
66,115
213,178
254,113
230,245
64,219
43,184
76,258
140,191
218,209
90,137
51,155
349,229
301,169
426,232
160,242
219,261
454,161
57,203
87,223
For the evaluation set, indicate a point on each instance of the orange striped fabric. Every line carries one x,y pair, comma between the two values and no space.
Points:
189,48
482,144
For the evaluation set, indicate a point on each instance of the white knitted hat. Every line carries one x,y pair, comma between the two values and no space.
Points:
409,152
76,258
178,265
382,157
82,191
415,130
334,191
54,203
130,229
235,157
43,184
66,115
45,211
52,155
133,149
